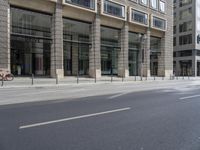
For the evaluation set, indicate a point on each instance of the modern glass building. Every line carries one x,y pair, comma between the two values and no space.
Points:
86,37
186,37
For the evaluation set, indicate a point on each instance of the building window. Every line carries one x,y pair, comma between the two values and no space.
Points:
154,4
76,45
185,2
110,46
114,9
30,42
162,6
134,49
185,26
174,30
159,23
186,13
185,39
139,17
89,4
174,41
143,2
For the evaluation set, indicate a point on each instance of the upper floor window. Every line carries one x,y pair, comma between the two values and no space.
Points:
144,2
139,17
162,6
114,9
185,2
159,23
89,4
185,26
186,13
154,4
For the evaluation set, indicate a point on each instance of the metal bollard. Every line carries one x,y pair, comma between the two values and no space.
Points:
95,79
56,78
77,78
135,78
163,77
32,79
2,81
141,78
154,77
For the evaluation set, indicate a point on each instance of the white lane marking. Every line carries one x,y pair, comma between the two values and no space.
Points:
73,118
189,97
118,95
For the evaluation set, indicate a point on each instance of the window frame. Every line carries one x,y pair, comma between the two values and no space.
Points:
135,22
152,16
152,6
82,8
161,1
108,15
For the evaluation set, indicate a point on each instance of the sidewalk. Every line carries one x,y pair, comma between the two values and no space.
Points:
52,82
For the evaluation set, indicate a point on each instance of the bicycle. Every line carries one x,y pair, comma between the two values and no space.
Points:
6,76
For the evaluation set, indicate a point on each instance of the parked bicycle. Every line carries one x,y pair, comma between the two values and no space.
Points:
6,76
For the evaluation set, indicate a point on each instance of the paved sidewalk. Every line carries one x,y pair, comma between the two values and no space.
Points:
74,91
52,82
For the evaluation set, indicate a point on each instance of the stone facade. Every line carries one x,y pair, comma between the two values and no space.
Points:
97,19
4,35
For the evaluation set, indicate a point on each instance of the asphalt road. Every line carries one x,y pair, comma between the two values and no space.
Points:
149,120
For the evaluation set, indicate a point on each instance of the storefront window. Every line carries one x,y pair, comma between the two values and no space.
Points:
77,42
30,42
109,50
155,50
134,48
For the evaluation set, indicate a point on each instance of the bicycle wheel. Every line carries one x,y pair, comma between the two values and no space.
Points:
9,77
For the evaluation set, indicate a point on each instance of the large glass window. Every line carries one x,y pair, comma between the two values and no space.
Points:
109,50
89,4
134,47
139,17
76,47
185,2
154,4
30,42
186,13
185,39
159,23
114,9
185,26
143,2
155,50
162,6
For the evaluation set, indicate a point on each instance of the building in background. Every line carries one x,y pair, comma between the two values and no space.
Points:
187,37
87,37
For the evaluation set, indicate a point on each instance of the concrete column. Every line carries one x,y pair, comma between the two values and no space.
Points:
146,64
166,58
123,69
161,59
95,51
4,35
57,43
194,66
178,68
